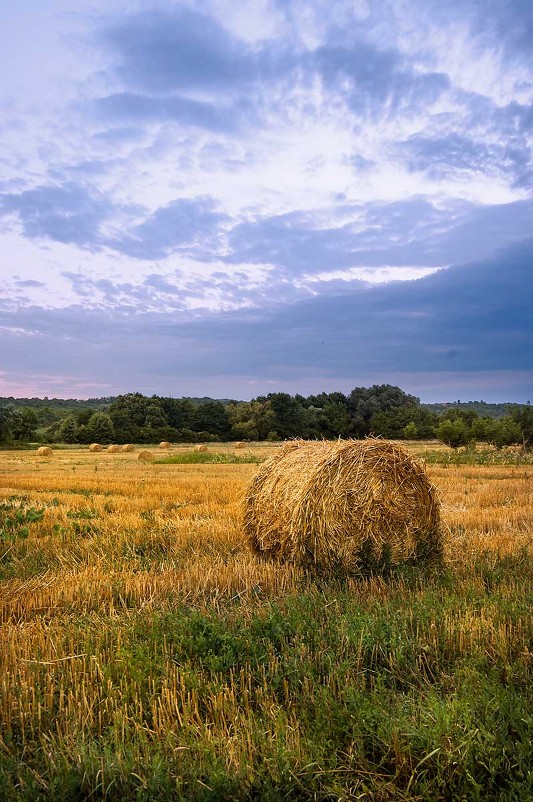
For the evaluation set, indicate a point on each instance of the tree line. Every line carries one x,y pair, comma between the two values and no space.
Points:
382,410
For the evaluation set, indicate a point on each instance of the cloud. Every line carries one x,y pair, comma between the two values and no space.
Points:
68,213
184,223
144,108
508,23
29,283
411,232
181,65
376,80
471,319
71,213
163,50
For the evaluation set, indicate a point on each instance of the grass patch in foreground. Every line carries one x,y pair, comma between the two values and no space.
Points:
333,692
209,457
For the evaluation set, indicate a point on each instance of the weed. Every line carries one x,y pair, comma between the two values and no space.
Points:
209,457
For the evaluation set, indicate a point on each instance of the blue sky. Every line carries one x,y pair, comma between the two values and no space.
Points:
229,199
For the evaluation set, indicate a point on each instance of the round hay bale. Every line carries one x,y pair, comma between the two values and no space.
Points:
164,444
145,456
127,447
352,505
44,451
238,444
200,447
113,449
95,447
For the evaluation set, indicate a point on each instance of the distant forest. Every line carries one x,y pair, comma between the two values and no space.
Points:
382,410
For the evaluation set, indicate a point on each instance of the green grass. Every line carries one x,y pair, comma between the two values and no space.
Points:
323,695
16,518
477,457
209,457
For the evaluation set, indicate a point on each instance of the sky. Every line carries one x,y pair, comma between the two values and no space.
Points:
230,199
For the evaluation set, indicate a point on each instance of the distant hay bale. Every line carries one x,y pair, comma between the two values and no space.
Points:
145,456
344,505
113,449
200,447
95,447
164,444
127,447
44,451
238,444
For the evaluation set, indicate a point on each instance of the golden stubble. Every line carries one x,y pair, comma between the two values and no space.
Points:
161,532
120,537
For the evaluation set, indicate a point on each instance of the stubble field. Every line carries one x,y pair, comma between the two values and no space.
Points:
145,654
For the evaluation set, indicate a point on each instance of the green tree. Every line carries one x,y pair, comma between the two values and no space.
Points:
179,412
155,417
128,414
83,416
251,420
366,402
466,415
524,418
100,428
68,431
336,420
505,432
288,414
410,432
47,415
481,429
6,423
212,417
83,435
392,424
453,433
25,424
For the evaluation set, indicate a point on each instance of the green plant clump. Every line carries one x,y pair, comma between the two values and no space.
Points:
209,457
15,520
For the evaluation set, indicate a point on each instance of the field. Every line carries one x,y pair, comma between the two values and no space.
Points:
145,654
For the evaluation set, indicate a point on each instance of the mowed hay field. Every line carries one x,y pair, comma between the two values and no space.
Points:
146,654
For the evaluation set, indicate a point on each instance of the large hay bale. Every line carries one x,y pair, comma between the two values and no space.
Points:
200,447
113,449
44,451
238,444
348,505
127,447
164,444
145,456
95,447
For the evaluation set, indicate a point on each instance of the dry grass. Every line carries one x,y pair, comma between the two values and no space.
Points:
101,515
195,511
122,542
346,504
